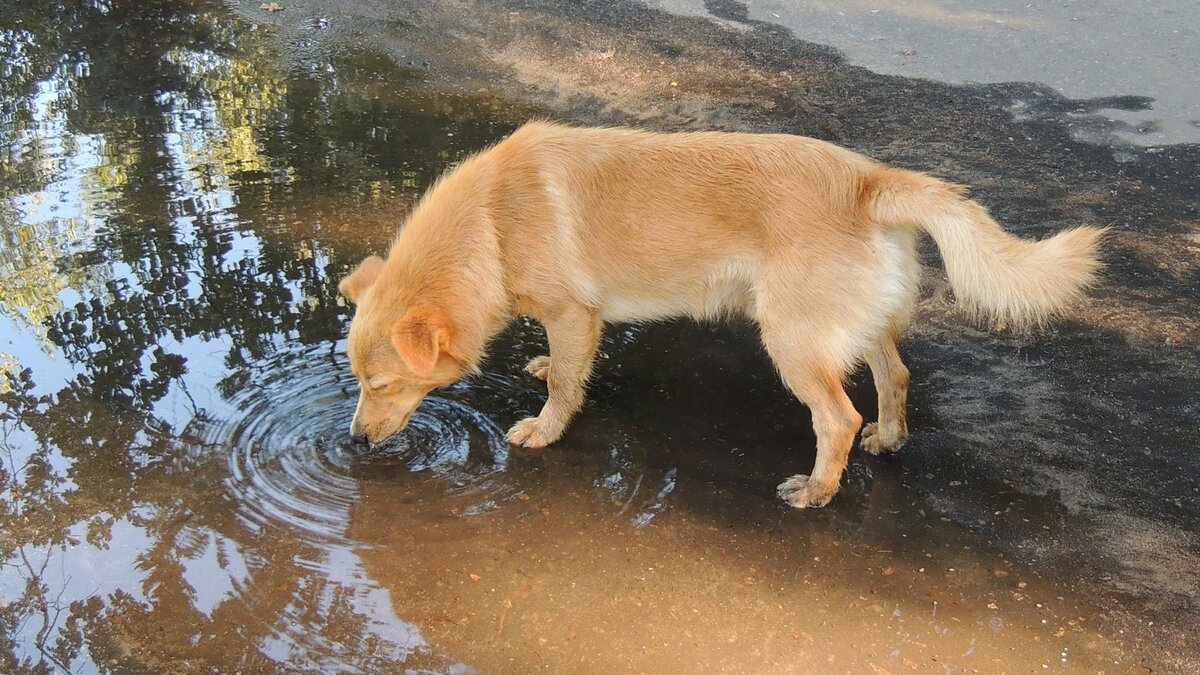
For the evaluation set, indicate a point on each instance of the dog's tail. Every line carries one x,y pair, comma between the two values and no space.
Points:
1014,281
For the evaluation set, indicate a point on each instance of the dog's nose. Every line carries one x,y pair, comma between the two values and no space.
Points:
359,439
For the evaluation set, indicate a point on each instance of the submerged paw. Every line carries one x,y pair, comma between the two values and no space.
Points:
533,432
877,443
801,492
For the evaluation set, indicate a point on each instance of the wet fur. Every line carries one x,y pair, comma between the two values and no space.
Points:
577,227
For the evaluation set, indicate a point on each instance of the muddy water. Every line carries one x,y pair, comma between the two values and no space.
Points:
177,203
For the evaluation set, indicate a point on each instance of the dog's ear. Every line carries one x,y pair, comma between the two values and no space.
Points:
360,279
421,337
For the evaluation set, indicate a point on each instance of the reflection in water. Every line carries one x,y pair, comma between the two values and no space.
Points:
173,493
288,479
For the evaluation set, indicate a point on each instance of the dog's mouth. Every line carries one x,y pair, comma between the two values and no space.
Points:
388,440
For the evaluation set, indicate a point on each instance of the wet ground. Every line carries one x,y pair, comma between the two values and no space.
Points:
1079,50
183,184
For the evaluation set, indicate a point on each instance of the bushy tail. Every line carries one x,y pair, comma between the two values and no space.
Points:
1016,282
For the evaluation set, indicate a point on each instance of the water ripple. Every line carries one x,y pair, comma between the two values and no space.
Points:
291,463
295,478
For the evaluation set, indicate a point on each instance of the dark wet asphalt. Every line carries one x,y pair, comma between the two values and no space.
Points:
183,185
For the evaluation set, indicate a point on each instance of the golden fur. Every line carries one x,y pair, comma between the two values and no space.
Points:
575,227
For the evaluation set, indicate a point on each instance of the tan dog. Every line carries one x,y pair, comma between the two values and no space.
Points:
575,227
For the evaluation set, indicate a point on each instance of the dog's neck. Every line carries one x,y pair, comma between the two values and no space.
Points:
448,256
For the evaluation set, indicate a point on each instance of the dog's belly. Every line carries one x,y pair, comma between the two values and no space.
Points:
726,290
618,308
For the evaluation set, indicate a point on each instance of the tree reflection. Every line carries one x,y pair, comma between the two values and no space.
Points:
171,203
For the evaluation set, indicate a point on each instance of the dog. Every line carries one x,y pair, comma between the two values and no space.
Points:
576,227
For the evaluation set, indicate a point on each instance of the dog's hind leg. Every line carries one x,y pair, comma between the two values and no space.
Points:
818,384
573,333
891,385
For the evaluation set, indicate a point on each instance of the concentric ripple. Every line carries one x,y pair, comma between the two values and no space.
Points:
291,463
441,437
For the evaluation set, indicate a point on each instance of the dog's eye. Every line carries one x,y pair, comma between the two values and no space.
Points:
379,384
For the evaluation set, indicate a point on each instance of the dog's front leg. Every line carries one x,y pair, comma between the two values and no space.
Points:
573,333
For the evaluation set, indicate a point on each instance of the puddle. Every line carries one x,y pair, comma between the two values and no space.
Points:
177,493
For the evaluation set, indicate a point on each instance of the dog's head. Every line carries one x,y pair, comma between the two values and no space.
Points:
398,354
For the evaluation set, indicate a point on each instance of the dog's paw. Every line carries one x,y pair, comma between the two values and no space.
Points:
539,367
534,432
878,443
802,493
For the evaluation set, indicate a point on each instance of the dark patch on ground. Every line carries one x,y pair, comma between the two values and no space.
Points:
728,9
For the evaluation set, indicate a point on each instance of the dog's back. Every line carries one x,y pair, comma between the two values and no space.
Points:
645,226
